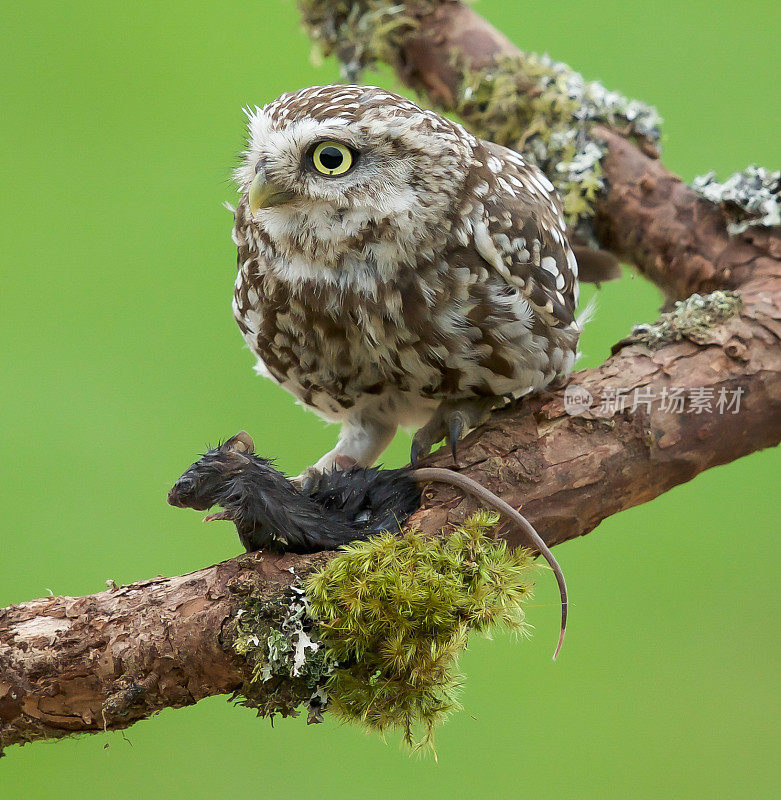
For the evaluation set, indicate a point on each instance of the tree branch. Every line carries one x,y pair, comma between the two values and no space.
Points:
102,662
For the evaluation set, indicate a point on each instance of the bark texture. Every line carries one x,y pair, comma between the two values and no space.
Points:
102,662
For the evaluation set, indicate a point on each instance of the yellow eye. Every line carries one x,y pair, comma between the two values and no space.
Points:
332,158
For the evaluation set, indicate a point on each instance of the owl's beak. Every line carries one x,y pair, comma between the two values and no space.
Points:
267,194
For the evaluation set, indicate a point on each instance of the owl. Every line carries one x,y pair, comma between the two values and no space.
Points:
395,270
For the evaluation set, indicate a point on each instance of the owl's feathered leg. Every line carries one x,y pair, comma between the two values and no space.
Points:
361,441
452,420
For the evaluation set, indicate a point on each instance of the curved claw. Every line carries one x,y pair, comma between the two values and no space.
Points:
454,431
451,420
417,451
308,481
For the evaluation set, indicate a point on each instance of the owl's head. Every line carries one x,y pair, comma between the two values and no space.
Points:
330,167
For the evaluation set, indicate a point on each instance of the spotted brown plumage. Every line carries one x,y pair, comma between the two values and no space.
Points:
395,270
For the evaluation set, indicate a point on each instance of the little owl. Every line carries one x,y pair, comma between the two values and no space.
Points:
394,270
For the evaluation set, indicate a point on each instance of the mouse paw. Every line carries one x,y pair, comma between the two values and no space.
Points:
217,516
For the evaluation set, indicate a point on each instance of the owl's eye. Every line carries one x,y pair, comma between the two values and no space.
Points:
332,158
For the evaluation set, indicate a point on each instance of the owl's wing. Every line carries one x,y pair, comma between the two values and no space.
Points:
522,234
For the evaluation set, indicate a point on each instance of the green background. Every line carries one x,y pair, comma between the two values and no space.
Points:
120,361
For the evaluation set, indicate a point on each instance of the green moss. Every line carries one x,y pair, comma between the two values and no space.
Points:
693,318
395,612
375,634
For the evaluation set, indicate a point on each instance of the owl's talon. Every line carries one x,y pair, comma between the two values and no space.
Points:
308,480
454,433
344,463
451,421
418,450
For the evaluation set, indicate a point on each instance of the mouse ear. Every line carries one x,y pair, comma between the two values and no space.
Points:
242,442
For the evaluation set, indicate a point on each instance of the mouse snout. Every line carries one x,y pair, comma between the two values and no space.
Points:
181,489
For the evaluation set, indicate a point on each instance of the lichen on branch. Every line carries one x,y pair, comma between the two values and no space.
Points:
358,32
751,197
286,663
693,318
546,110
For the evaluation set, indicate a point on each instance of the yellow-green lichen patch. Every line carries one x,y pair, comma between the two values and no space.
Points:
395,612
358,32
693,318
546,110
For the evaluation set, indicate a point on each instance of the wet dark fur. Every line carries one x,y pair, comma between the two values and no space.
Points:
270,513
